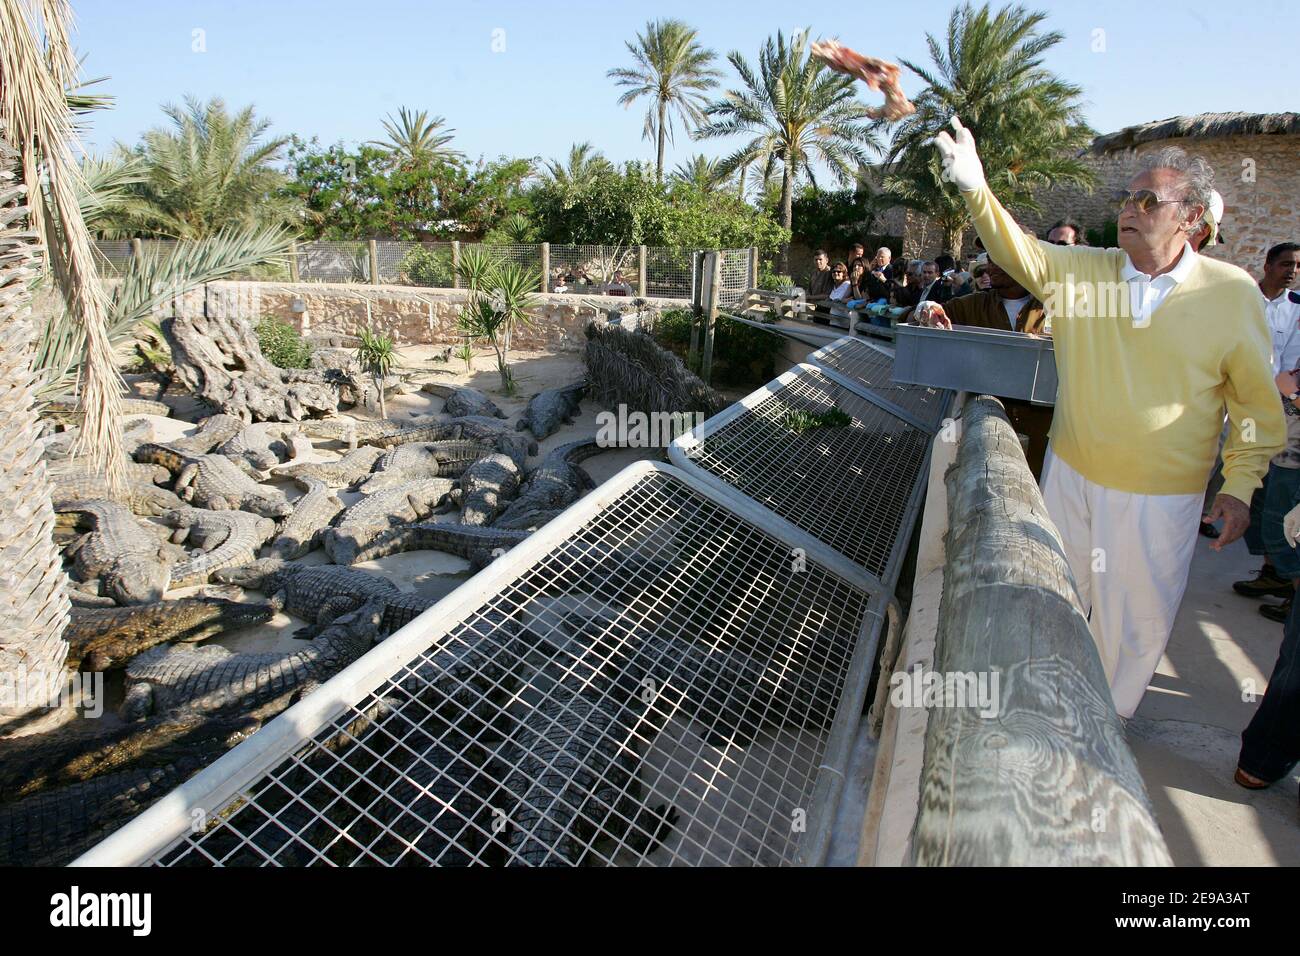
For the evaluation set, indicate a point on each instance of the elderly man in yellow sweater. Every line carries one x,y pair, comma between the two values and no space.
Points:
1152,343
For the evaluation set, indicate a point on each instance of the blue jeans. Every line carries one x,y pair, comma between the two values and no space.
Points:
1281,493
1270,744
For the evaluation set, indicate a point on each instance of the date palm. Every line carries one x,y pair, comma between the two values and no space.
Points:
39,179
413,138
674,72
701,172
1027,121
584,163
798,113
209,170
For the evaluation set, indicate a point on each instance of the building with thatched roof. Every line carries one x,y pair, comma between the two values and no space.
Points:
1256,162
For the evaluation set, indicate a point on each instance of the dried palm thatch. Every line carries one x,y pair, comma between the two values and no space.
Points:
37,69
33,600
1200,126
630,368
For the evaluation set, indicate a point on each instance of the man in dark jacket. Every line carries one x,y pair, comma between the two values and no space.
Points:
1006,307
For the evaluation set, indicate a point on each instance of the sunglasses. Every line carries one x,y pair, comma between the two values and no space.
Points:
1144,199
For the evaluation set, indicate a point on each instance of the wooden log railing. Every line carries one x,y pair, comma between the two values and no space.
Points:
763,301
1045,776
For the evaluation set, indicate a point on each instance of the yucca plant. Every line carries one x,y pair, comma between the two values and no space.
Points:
465,353
501,298
377,357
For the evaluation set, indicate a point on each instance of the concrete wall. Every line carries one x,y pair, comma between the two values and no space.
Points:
412,316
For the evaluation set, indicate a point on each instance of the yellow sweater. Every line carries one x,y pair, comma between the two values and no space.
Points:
1140,403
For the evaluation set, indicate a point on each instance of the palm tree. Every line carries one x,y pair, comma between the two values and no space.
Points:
210,170
799,112
701,172
414,138
37,67
674,71
1027,121
377,357
584,164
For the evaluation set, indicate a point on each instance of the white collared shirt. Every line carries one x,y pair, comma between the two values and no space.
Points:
1145,293
1283,314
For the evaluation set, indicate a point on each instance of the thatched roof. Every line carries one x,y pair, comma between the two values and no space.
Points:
1201,126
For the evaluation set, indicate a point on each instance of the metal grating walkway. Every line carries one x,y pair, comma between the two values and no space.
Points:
856,488
870,368
653,678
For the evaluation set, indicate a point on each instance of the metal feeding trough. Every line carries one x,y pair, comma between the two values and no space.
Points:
655,677
981,361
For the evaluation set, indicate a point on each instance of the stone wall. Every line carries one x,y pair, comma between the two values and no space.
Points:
412,316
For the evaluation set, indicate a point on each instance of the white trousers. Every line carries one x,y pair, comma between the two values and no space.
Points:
1130,555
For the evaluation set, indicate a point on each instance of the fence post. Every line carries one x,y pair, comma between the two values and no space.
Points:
753,267
697,313
137,249
713,276
546,267
640,272
455,263
294,275
374,262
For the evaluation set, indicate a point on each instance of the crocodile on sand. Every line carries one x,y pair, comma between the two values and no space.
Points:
435,459
461,400
476,544
261,446
216,482
313,513
125,561
551,487
320,593
549,409
213,431
142,497
102,639
486,488
222,539
347,471
404,503
211,678
355,431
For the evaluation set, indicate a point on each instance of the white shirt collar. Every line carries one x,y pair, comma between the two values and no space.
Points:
1181,270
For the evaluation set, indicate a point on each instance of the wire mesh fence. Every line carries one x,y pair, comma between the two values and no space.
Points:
583,269
649,680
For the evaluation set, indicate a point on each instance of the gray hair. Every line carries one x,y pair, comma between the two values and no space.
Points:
1196,172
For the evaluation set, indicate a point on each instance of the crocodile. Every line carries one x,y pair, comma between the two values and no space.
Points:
553,485
319,593
435,459
60,446
313,513
347,471
143,498
548,410
71,469
261,446
526,519
393,506
460,400
215,430
574,759
212,679
216,482
485,489
356,431
479,428
66,410
130,564
103,639
223,539
476,544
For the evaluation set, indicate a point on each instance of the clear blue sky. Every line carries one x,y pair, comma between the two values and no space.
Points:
334,69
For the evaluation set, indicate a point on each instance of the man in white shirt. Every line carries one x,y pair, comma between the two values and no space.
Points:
1281,489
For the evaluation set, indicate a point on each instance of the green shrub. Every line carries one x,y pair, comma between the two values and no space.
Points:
282,345
771,281
425,266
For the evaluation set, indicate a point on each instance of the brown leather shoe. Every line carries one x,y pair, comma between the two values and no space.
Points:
1276,612
1243,779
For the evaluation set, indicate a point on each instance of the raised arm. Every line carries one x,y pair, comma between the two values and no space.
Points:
1032,263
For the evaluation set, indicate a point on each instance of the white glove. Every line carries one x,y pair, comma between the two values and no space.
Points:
931,314
1291,525
961,164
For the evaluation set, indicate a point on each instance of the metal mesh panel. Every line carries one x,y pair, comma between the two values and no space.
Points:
114,255
597,263
670,273
853,487
528,255
735,276
334,261
657,687
872,368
